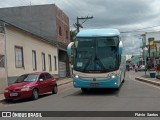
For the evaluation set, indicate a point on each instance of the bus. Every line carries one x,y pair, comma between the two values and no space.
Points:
96,58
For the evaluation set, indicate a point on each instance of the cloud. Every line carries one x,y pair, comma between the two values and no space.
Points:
125,15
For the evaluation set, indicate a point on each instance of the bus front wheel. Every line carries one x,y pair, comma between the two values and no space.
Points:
84,90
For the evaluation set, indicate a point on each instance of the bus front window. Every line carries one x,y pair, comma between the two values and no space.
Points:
96,54
84,50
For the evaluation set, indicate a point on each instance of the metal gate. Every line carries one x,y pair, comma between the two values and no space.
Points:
62,69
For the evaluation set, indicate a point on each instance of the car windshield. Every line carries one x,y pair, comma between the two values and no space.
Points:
27,78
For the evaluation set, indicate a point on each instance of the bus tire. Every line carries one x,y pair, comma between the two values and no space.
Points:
84,90
123,81
124,77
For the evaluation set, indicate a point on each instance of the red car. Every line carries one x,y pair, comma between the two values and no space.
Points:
31,86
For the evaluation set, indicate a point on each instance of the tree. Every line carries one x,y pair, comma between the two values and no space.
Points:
73,34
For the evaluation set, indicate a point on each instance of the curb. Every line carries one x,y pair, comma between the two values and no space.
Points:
64,83
2,100
148,81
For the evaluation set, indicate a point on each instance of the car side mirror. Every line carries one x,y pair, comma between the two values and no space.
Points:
41,80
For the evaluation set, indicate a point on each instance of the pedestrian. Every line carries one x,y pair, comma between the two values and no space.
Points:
136,68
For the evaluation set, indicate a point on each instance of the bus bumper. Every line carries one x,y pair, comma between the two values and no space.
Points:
112,83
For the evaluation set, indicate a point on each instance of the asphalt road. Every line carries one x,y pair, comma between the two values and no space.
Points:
132,96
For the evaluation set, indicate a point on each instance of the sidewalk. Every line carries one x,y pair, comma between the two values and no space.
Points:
153,81
59,83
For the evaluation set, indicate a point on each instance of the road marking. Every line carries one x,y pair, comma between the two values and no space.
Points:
148,84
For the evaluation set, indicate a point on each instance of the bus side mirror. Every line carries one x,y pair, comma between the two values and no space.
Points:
120,48
69,49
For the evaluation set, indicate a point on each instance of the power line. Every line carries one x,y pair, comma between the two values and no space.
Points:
141,29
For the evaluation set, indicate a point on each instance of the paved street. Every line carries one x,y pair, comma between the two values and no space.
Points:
132,96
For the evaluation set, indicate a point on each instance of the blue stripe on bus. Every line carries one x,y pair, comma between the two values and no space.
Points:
78,83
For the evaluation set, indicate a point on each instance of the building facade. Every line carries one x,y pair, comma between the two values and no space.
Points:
3,72
151,40
22,52
46,21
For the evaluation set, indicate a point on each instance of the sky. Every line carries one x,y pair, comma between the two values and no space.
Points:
126,15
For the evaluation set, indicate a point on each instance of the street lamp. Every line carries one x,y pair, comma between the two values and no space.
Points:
145,51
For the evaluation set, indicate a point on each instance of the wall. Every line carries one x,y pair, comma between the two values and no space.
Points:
3,74
37,19
29,42
63,21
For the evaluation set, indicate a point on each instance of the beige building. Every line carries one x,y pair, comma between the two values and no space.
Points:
48,22
3,75
23,52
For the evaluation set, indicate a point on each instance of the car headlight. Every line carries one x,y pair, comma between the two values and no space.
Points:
25,89
6,90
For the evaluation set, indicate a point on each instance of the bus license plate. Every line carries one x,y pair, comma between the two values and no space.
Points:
94,84
13,94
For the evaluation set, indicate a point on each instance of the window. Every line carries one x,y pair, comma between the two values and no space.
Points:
55,63
48,76
34,62
42,76
66,34
19,57
50,62
60,31
2,61
43,62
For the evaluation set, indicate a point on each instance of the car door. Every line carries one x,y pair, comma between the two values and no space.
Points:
49,82
42,84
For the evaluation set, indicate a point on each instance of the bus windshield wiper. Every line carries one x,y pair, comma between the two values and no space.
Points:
85,67
99,62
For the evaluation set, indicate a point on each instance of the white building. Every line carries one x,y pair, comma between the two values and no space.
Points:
22,52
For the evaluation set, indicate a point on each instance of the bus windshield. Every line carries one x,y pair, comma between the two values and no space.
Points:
96,54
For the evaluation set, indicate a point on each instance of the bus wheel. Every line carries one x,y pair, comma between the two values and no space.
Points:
123,81
84,90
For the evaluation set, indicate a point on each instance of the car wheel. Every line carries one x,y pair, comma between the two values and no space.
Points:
55,90
35,94
9,100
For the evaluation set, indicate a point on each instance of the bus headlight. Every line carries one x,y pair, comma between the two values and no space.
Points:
115,83
113,76
76,76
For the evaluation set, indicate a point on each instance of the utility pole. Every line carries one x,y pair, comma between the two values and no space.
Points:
79,25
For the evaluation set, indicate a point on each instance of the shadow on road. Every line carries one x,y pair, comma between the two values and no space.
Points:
101,92
95,92
24,100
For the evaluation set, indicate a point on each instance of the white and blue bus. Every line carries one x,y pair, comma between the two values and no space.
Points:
97,59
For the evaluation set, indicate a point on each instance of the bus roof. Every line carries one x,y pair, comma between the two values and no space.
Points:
98,33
